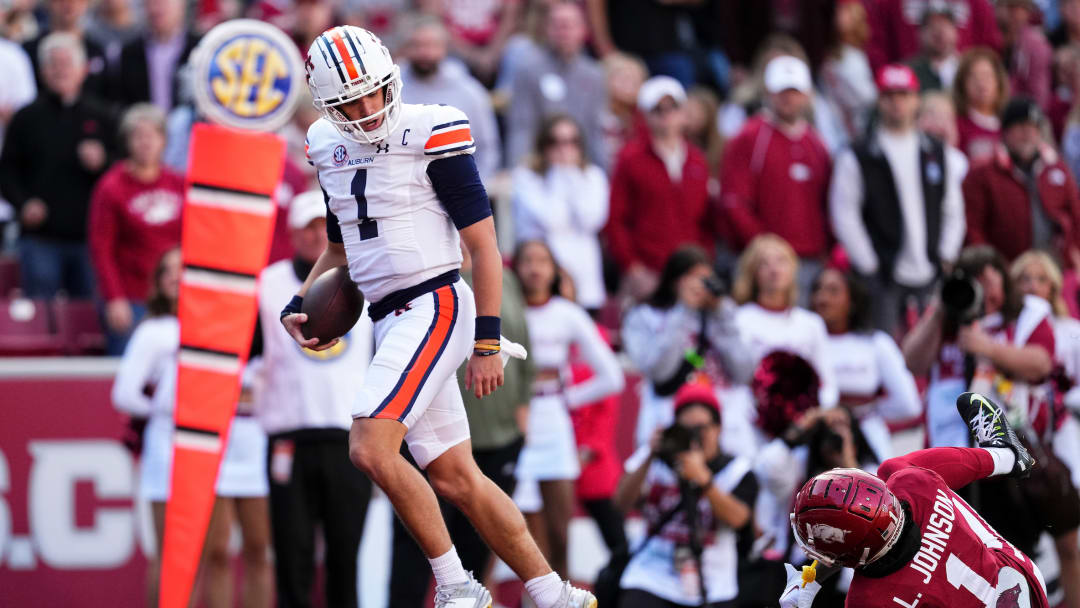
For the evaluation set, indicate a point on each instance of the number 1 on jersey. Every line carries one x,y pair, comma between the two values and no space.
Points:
368,228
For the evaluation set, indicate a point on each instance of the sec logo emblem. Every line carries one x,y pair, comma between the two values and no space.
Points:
247,74
340,155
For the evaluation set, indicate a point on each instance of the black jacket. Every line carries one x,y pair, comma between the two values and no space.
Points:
133,77
39,159
882,214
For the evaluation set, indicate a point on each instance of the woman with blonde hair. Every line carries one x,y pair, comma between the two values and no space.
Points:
1036,274
768,317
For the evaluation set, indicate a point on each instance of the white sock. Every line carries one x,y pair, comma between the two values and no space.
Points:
447,568
1004,460
546,590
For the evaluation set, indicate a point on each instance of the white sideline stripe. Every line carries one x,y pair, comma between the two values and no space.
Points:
233,201
219,281
26,368
226,364
198,441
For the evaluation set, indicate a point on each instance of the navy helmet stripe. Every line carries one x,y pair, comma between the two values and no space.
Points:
337,63
352,45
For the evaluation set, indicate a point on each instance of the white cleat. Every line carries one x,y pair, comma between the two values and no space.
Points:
470,594
572,597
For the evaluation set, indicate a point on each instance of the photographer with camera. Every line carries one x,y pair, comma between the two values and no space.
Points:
979,322
696,501
685,327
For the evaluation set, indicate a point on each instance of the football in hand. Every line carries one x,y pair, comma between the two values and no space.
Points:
332,304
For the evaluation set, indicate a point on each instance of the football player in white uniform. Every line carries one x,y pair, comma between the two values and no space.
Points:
401,188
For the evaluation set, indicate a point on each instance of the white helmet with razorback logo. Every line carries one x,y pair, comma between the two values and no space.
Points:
346,63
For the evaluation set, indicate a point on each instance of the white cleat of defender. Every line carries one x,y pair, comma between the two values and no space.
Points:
470,594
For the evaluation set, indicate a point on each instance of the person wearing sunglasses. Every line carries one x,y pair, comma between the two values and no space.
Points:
659,192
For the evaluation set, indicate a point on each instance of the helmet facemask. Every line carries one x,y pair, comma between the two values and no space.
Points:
353,129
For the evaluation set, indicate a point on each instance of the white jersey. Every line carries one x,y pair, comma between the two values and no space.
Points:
874,381
395,230
794,330
298,388
149,361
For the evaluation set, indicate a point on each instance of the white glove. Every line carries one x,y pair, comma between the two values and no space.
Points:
795,595
508,350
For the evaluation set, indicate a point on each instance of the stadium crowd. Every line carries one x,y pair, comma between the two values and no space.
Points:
803,224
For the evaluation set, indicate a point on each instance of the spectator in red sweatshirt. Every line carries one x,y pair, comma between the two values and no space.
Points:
1026,198
775,172
134,219
659,191
895,27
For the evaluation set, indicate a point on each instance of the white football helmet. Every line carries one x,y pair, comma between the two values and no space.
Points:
346,63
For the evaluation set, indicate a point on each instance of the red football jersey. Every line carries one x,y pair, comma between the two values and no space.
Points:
962,562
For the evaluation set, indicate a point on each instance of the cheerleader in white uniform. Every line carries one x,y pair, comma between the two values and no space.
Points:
145,388
769,319
873,380
1036,274
549,463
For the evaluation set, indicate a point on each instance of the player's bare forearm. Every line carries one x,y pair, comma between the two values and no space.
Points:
487,266
332,257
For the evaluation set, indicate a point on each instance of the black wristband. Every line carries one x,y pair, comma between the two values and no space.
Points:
488,328
293,307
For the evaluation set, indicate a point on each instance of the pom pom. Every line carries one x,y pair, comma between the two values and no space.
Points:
785,385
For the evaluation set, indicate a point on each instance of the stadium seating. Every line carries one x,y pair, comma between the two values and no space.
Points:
9,275
27,328
78,324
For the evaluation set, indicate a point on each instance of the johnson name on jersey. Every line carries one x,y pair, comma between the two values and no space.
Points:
381,200
961,561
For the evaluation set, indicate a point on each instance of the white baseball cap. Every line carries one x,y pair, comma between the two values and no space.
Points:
655,89
305,207
787,72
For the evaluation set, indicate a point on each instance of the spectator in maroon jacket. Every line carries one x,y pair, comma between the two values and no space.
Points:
659,191
895,27
775,173
1028,54
981,90
1026,198
134,220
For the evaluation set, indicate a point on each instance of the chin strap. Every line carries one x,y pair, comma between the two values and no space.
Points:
809,573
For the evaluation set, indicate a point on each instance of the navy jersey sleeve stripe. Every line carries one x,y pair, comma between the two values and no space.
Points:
333,228
463,121
458,186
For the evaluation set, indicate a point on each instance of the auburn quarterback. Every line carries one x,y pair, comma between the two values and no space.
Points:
912,541
402,192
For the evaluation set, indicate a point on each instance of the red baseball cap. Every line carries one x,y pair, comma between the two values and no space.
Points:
696,392
897,77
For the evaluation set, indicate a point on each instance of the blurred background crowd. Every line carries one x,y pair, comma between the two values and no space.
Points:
784,230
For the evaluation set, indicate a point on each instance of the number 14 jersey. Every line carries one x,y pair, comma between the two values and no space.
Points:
962,562
380,200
